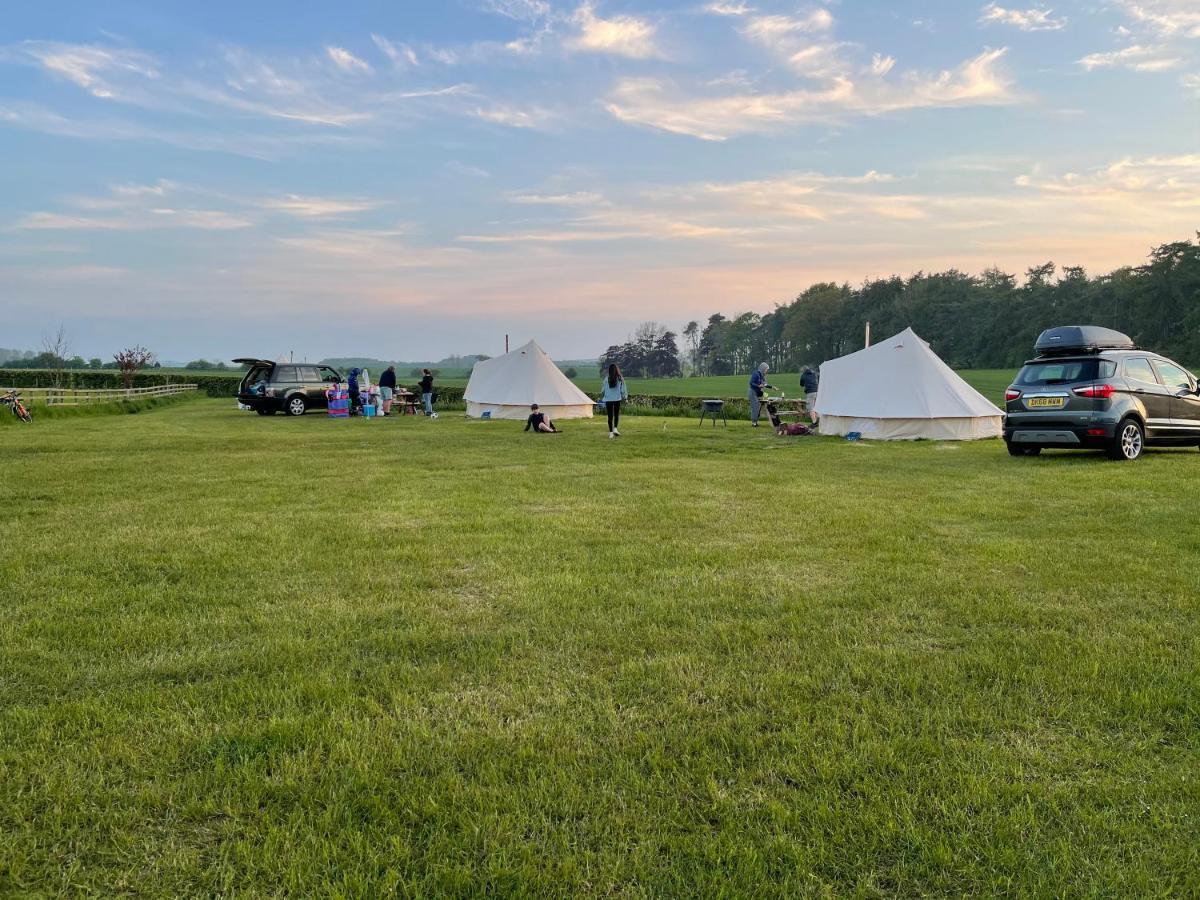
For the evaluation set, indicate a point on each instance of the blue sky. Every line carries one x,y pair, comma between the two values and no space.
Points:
411,179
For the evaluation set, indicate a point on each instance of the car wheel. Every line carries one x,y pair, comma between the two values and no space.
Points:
1022,449
1129,442
296,406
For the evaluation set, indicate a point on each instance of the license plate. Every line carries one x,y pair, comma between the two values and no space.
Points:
1045,402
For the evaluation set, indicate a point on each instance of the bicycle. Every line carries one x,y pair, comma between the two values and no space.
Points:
13,401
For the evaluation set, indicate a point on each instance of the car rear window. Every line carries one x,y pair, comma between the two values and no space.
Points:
1066,371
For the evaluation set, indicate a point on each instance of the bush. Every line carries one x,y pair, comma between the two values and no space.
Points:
682,407
101,379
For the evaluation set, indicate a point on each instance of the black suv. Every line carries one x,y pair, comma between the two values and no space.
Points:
293,388
1091,388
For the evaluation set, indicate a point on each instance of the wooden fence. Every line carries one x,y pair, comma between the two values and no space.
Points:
40,396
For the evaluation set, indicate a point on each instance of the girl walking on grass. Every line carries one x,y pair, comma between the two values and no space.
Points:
612,392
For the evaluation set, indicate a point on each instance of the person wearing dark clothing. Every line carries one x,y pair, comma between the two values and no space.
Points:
540,422
427,391
809,380
355,393
387,388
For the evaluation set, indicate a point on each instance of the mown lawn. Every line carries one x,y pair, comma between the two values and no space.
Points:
305,657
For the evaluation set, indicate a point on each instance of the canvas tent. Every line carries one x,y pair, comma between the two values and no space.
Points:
505,387
899,390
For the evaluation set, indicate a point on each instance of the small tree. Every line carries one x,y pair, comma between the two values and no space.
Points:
571,372
130,361
55,347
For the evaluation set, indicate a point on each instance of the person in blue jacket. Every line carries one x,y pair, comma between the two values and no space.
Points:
758,383
355,393
612,392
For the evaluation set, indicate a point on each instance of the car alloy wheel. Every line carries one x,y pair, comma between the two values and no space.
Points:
295,406
1129,442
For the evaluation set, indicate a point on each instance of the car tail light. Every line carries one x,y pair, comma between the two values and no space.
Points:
1095,391
1012,394
1095,432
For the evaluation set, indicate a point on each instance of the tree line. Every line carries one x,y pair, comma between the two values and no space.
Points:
990,320
652,352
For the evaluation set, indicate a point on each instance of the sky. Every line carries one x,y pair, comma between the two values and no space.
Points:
415,178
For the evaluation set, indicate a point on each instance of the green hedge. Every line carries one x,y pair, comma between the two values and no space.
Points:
683,407
214,385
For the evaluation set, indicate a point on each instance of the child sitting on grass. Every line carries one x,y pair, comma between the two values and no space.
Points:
540,422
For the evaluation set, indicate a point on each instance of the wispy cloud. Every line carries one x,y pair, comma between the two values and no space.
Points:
729,8
32,117
979,81
1171,181
240,101
1169,18
93,67
318,207
1035,19
345,60
619,35
169,204
515,116
399,54
1136,58
144,220
521,10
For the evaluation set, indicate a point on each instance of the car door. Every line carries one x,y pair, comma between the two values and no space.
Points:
1185,403
314,388
1153,396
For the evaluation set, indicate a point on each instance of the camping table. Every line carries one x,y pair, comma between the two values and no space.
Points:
407,401
789,407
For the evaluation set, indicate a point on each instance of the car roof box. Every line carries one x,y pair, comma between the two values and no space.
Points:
1081,339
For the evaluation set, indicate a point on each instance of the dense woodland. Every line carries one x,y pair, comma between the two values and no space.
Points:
972,321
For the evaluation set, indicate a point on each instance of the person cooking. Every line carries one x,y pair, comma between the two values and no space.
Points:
387,388
758,383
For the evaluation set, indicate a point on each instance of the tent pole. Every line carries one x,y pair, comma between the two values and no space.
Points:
867,338
506,343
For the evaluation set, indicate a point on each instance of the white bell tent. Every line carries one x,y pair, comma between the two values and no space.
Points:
505,387
899,389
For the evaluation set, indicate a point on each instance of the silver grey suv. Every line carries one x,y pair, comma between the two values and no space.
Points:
1091,388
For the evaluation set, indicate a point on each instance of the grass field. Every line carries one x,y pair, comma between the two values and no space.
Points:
306,657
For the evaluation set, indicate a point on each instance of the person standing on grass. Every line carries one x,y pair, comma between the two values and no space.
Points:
355,392
387,388
809,380
427,391
612,392
758,382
